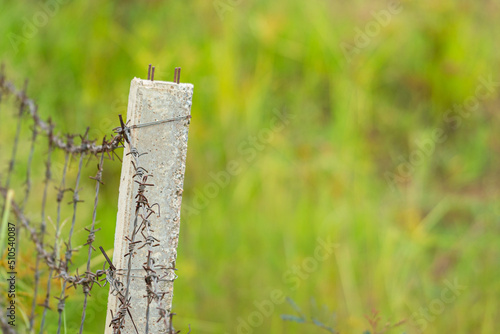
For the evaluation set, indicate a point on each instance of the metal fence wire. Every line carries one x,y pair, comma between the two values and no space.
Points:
53,264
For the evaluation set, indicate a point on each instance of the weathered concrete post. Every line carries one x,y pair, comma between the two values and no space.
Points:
158,118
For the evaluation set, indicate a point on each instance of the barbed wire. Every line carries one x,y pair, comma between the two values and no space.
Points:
79,147
58,266
143,211
7,88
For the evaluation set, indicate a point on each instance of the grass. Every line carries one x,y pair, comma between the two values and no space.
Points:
323,175
4,227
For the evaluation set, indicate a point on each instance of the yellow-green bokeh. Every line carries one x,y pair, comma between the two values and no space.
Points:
354,118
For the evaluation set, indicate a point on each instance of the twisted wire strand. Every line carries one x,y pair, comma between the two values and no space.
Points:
59,267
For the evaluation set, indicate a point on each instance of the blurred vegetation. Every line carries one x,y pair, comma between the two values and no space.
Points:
349,123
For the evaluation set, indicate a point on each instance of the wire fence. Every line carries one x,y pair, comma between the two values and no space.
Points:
43,176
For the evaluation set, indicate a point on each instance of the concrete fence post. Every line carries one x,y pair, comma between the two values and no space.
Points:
152,178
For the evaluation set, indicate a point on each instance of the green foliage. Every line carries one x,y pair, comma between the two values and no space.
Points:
339,167
373,320
303,319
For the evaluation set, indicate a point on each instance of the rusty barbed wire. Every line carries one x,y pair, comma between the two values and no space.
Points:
90,277
8,88
143,212
59,265
42,231
74,280
60,195
48,256
69,250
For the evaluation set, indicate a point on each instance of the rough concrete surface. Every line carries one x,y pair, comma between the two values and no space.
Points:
166,147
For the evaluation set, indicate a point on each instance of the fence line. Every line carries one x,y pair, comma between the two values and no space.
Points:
58,265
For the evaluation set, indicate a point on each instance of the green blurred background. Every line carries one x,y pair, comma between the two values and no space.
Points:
369,153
